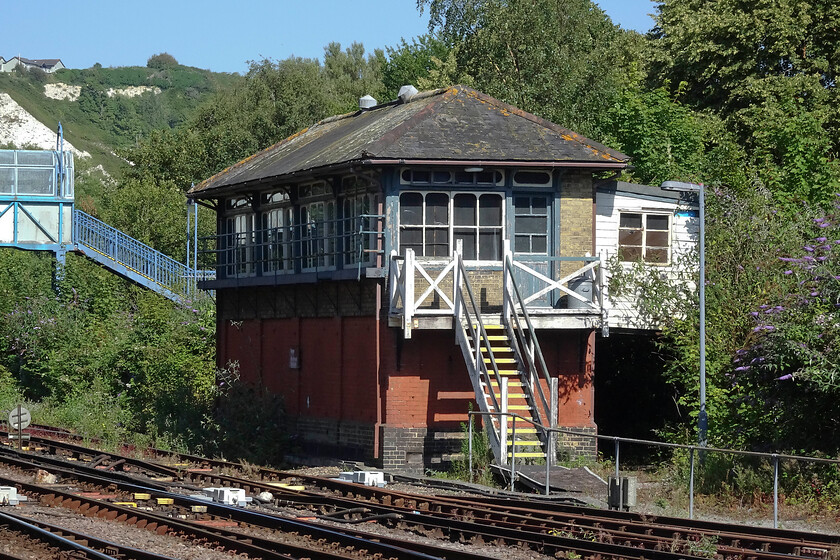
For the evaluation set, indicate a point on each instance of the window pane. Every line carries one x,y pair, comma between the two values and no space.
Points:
463,178
412,238
441,176
531,225
463,211
490,210
630,253
7,179
539,244
522,243
35,181
657,239
437,209
522,205
484,177
411,209
629,237
437,242
532,177
490,245
406,175
539,205
659,256
418,176
468,238
657,222
631,221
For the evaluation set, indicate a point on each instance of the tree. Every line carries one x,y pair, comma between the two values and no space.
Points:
161,61
409,63
561,59
761,66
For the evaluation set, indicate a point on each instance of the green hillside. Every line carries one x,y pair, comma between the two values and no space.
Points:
103,124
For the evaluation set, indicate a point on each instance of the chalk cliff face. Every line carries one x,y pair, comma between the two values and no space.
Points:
19,128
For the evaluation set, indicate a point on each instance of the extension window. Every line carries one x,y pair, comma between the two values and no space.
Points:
644,237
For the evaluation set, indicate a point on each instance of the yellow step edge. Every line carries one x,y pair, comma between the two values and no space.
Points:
527,455
523,443
511,396
501,360
495,384
518,407
523,430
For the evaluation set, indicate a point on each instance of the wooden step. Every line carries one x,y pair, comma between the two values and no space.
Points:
501,360
511,384
525,443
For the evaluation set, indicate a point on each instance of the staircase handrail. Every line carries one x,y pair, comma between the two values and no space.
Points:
133,254
530,349
479,367
479,334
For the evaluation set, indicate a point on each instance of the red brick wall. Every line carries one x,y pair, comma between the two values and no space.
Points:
571,354
337,358
427,380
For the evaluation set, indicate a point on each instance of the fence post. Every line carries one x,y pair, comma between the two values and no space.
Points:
506,256
691,485
775,491
552,422
471,445
513,455
503,404
408,304
456,282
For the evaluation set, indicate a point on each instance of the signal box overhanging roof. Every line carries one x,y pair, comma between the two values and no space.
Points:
456,125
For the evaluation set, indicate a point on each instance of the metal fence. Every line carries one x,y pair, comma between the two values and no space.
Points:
694,451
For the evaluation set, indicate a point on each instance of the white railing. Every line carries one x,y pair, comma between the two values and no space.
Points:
405,302
541,299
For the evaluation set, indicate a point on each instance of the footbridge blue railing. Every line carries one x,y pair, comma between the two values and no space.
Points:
134,260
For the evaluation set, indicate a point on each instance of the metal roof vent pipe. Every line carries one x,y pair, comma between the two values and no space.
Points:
406,93
367,102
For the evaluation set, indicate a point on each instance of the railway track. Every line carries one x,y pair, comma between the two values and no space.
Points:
544,526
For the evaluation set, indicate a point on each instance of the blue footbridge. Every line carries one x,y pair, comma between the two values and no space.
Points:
38,213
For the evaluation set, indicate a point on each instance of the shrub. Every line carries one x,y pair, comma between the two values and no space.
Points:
161,61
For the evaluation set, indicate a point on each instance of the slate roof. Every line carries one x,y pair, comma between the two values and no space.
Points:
451,125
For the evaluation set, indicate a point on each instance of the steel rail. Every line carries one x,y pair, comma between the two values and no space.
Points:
52,539
460,530
735,536
109,548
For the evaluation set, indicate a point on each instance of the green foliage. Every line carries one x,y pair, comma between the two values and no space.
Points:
669,141
412,63
769,70
161,61
482,457
562,60
105,356
276,100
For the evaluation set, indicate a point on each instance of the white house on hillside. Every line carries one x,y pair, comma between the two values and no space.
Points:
48,65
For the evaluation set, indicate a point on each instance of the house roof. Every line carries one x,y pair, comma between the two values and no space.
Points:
446,126
41,62
648,191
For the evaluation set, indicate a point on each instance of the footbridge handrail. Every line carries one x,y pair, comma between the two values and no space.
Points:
146,265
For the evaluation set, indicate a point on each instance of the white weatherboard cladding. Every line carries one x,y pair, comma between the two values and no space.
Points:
684,237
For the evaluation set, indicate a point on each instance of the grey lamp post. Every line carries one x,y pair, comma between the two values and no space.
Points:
702,418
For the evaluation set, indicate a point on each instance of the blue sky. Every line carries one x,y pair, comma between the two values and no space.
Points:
220,35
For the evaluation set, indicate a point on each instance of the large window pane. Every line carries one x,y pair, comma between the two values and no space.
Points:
630,221
468,239
490,245
411,209
437,209
490,210
463,211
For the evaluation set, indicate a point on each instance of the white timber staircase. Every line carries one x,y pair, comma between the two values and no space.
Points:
503,358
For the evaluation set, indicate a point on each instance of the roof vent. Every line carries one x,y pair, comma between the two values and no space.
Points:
367,102
407,92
